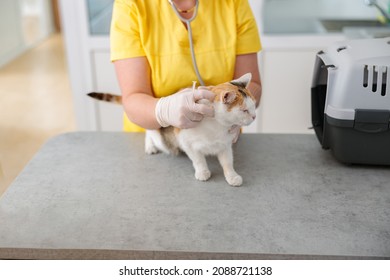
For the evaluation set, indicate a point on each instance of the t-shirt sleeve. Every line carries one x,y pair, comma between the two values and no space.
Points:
248,39
125,39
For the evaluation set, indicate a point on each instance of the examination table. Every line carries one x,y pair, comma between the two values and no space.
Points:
97,195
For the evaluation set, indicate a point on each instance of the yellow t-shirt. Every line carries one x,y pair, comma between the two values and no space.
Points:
221,30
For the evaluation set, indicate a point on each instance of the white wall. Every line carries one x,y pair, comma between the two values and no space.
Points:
23,24
257,9
10,31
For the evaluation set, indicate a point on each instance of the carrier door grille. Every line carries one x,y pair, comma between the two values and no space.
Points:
376,79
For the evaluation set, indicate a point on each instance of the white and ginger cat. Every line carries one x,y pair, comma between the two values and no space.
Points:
234,105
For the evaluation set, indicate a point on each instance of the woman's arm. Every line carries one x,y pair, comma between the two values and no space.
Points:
142,108
137,96
248,63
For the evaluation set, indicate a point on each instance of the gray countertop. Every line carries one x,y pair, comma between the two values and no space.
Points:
96,195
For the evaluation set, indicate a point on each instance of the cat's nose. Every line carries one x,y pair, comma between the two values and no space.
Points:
253,117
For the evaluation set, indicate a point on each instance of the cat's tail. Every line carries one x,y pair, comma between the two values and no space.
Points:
107,97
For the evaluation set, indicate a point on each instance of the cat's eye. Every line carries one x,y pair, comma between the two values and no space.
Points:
246,111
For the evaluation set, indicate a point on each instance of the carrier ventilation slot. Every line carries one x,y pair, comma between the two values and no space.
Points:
365,76
385,73
376,78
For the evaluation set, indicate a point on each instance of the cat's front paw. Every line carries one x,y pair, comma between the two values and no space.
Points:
234,180
202,175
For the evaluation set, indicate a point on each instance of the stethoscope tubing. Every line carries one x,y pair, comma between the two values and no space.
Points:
189,29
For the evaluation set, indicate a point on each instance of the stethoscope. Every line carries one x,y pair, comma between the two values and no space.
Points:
188,23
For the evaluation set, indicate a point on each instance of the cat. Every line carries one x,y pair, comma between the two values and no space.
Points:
234,105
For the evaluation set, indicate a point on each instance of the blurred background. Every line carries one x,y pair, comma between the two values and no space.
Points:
35,93
53,52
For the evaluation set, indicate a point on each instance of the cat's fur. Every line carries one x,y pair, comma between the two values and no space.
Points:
234,105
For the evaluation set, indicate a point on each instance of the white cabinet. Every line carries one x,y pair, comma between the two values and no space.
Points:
286,66
285,104
85,27
109,116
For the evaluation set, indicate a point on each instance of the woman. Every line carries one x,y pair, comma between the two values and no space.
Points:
152,57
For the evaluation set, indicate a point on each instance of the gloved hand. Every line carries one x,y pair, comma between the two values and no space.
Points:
236,131
181,110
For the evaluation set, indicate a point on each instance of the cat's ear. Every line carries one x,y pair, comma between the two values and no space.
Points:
243,81
228,97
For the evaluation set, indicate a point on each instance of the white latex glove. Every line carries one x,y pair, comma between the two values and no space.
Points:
181,110
236,131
